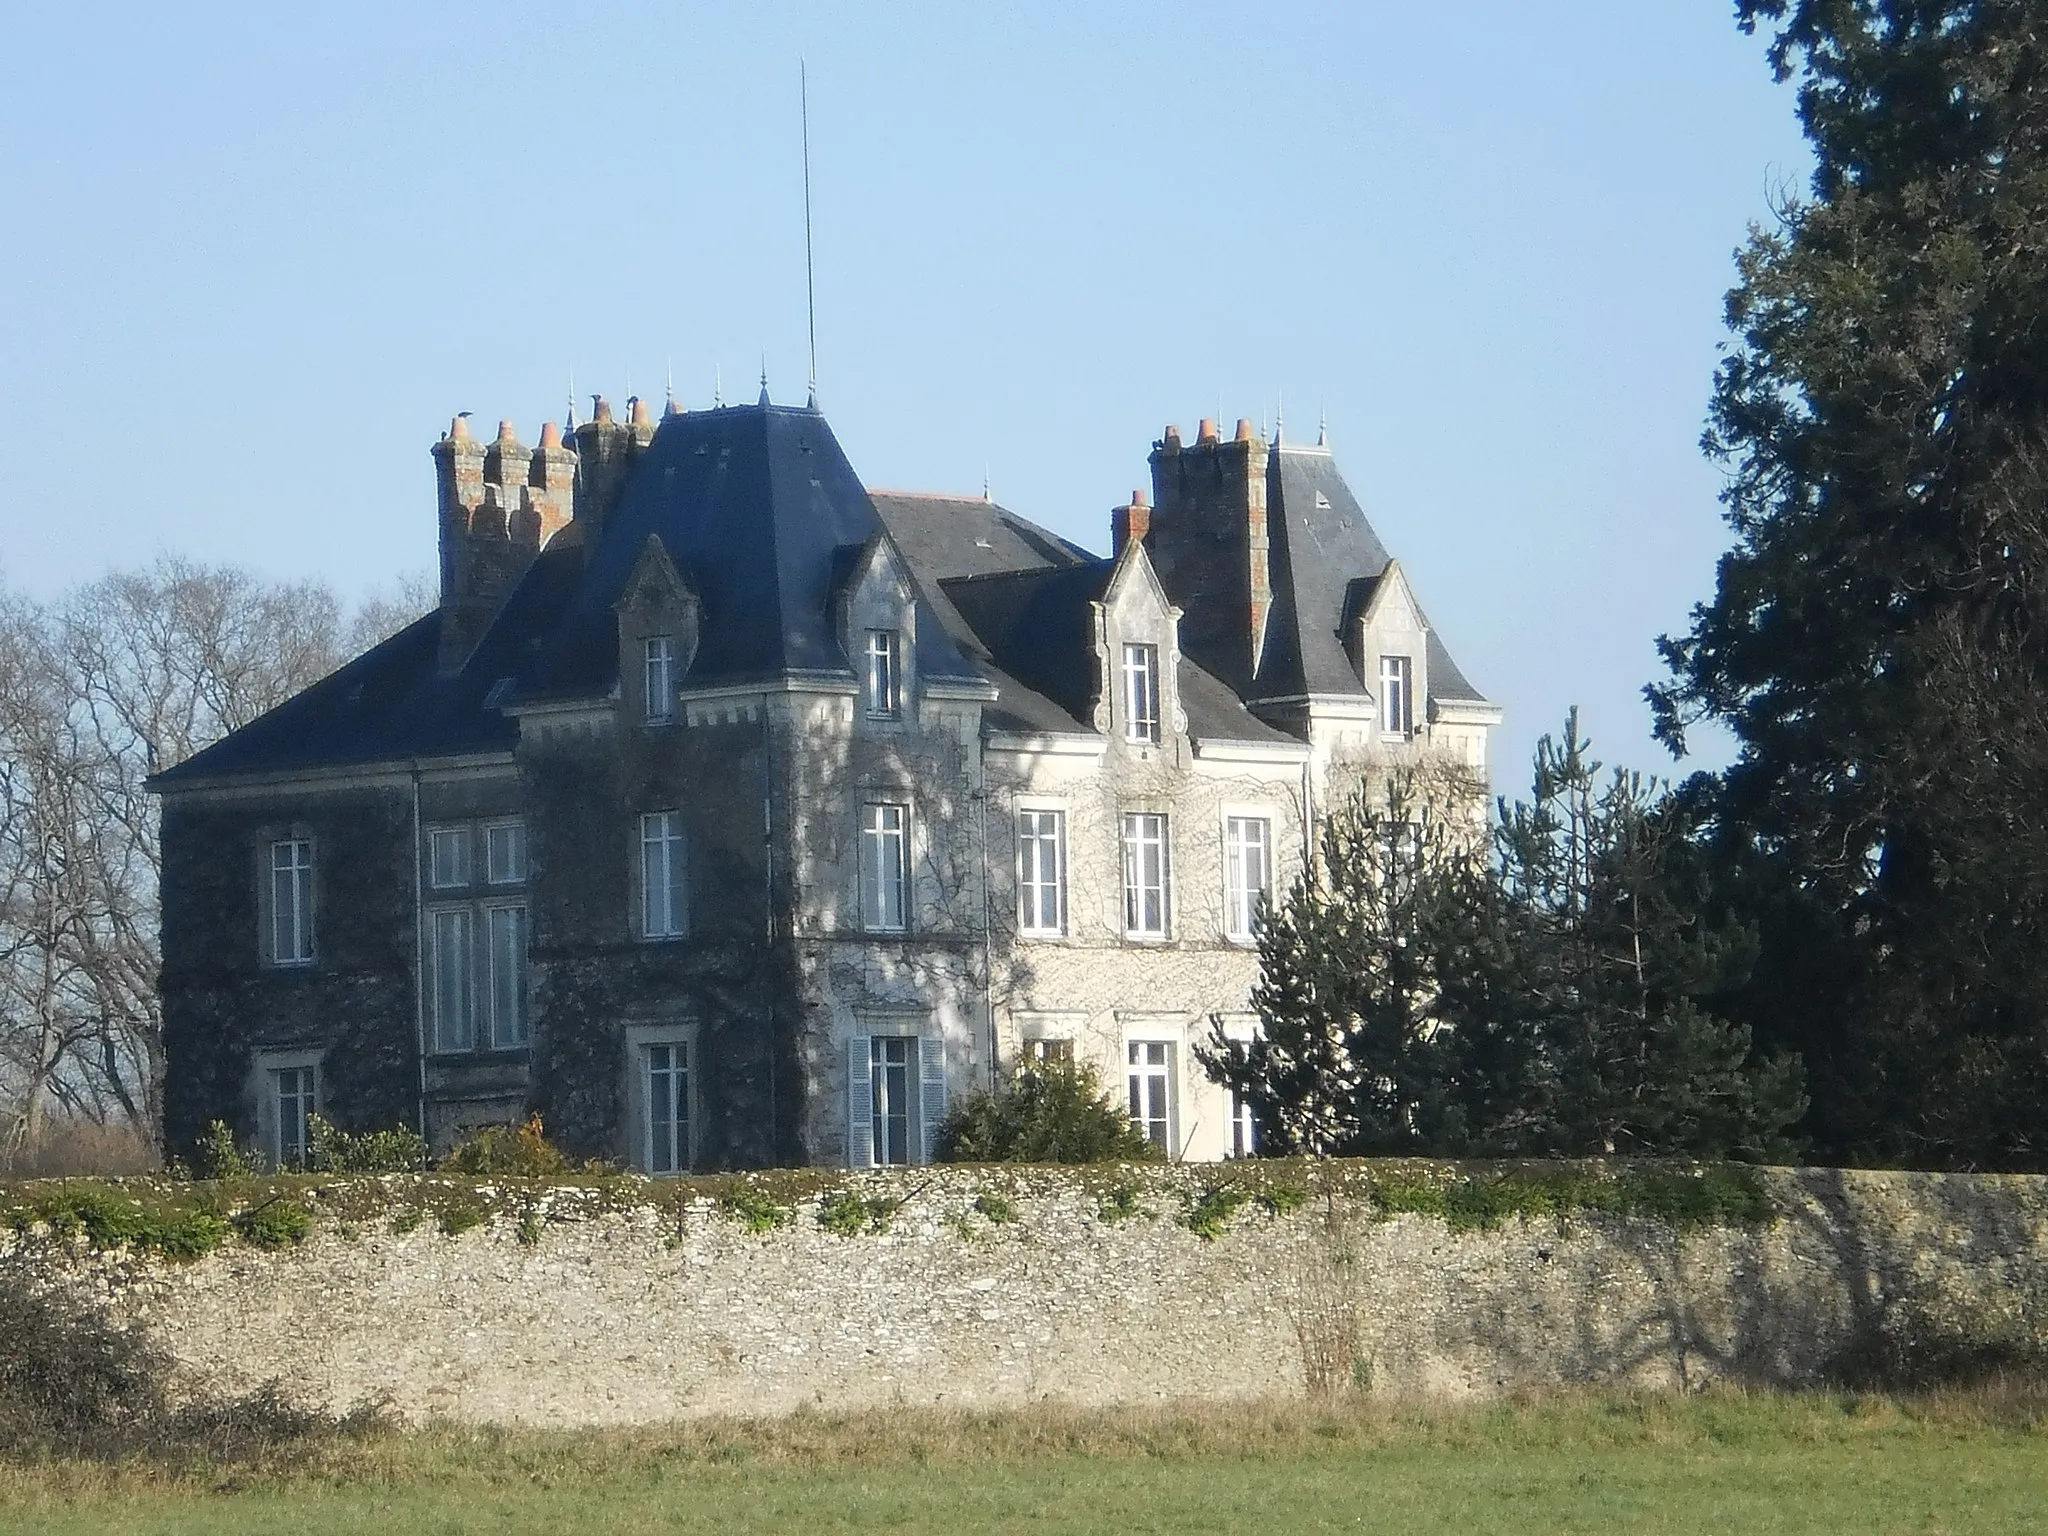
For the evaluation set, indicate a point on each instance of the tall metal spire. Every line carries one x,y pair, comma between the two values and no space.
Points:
569,417
1323,429
668,385
764,378
717,385
803,78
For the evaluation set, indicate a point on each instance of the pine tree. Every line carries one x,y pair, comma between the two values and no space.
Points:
1878,637
1349,1060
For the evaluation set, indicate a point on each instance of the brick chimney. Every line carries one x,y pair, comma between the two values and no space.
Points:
1207,539
605,450
491,528
1133,520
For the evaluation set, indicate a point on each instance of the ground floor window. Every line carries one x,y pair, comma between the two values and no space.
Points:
295,1097
1150,1077
665,1081
896,1096
1244,1130
1038,1052
891,1080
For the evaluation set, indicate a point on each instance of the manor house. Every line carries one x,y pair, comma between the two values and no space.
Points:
729,813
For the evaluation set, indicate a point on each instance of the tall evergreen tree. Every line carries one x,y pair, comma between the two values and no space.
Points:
1876,639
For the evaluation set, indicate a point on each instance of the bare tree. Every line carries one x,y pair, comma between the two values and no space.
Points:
118,680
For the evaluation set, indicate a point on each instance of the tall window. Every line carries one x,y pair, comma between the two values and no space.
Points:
1145,875
660,676
296,1097
1141,693
448,857
1151,1085
505,852
1397,706
1244,1129
291,902
667,1085
893,1082
663,884
1041,872
882,687
451,977
884,867
505,966
1247,873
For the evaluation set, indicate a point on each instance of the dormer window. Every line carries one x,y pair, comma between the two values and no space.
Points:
1141,693
882,686
661,676
1397,703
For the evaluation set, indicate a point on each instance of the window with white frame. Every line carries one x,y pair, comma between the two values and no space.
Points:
474,970
1041,872
665,1100
884,866
1150,1079
289,897
505,852
892,1080
448,857
1397,706
1038,1053
659,677
1146,872
1141,692
896,1095
505,974
1247,874
1244,1129
664,876
882,682
451,977
294,1099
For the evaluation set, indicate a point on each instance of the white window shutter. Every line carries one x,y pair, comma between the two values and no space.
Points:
860,1103
931,1055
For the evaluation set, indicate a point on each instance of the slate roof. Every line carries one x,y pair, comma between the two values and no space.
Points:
1320,544
763,516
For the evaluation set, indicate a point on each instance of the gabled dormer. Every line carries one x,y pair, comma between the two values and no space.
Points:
660,619
878,631
1387,639
1137,651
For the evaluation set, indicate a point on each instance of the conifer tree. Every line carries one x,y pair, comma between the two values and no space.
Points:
1878,637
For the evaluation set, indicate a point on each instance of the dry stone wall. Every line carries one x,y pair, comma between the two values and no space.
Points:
1000,1287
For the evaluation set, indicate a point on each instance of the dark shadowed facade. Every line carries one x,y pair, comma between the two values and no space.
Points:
728,814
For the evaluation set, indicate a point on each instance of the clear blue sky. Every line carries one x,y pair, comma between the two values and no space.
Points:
256,257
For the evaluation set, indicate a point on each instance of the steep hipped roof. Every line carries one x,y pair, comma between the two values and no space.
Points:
756,505
1320,544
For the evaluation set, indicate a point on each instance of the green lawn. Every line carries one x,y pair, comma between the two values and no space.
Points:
1712,1464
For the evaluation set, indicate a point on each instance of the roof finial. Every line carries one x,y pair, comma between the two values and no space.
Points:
569,418
764,378
986,494
1323,428
1280,420
803,87
717,385
668,386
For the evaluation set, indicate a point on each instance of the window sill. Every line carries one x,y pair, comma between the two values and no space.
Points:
1149,940
481,1056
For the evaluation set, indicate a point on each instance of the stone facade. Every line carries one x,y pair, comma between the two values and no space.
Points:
729,817
648,1314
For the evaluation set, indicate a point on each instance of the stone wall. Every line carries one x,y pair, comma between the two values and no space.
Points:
611,1315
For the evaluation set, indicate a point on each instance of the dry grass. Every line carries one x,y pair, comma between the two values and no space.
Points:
82,1149
1571,1462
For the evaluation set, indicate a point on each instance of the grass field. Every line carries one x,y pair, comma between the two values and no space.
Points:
1720,1462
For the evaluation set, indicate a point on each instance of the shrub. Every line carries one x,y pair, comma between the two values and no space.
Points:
217,1156
398,1150
752,1209
274,1224
73,1383
848,1214
1054,1112
518,1150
